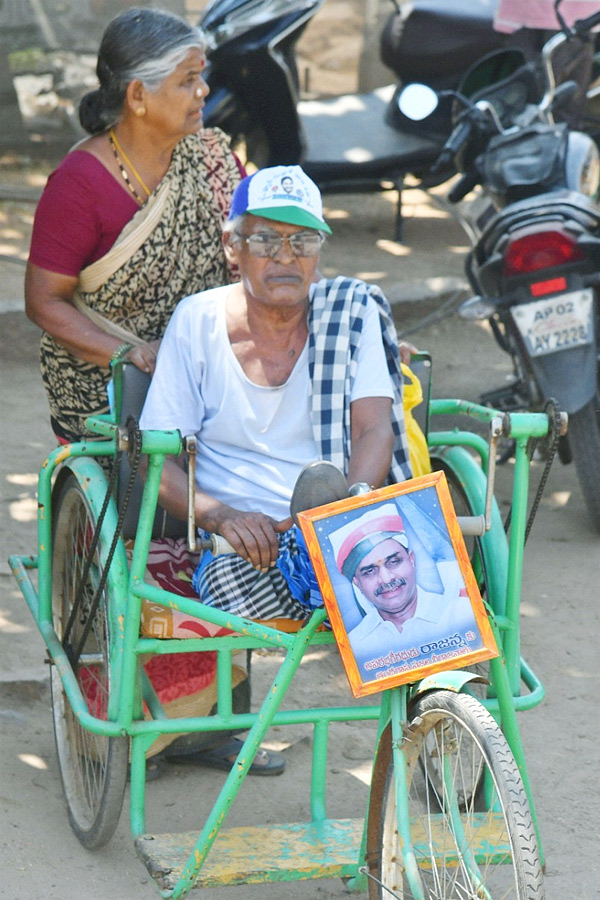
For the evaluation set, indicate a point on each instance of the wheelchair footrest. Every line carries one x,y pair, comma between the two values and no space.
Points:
249,855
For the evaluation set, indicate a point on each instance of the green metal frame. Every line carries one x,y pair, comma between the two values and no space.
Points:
464,452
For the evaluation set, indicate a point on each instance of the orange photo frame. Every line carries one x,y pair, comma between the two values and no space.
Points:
397,584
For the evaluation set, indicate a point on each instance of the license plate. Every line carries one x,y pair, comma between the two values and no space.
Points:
557,323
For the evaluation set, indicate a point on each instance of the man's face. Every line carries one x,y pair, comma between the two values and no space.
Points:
287,184
387,578
282,280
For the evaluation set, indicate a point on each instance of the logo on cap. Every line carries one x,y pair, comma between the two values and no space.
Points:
282,193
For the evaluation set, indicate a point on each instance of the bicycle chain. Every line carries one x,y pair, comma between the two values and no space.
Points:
554,433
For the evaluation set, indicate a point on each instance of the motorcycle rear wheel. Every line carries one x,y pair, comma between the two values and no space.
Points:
584,439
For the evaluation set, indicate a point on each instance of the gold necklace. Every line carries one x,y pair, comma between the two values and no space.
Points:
117,149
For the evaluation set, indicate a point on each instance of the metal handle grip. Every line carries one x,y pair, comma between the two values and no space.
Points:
217,545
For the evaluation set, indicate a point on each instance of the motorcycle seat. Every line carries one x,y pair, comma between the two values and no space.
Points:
347,138
429,39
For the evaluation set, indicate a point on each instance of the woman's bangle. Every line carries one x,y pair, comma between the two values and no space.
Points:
120,352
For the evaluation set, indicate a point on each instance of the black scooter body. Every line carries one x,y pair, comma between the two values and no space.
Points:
255,92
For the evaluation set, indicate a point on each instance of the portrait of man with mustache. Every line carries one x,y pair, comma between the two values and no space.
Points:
402,623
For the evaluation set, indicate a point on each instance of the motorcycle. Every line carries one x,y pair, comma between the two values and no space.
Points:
255,90
534,267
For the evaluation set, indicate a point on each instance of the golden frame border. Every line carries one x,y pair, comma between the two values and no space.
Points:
307,521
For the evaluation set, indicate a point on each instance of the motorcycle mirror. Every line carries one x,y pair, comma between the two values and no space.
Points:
417,101
492,69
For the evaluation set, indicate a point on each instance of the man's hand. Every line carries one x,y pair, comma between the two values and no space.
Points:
252,534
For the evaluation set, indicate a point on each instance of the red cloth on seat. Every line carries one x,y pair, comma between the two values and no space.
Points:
181,674
171,567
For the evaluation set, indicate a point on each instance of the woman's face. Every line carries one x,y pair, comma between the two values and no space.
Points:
175,108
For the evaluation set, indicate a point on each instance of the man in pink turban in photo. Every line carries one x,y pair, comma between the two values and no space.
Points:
400,616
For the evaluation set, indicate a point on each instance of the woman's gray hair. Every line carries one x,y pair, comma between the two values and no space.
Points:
142,44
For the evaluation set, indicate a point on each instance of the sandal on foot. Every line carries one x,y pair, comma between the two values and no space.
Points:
266,762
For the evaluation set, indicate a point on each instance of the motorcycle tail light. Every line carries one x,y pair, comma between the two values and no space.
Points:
540,250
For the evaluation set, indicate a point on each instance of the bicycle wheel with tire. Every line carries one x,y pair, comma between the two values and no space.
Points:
93,767
481,847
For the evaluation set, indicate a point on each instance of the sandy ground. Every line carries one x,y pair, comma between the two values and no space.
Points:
40,856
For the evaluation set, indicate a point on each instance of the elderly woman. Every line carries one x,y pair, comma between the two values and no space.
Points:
128,224
130,221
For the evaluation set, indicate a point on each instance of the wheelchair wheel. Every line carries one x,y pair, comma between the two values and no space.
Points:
482,847
93,767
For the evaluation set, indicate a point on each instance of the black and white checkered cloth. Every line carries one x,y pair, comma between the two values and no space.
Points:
335,324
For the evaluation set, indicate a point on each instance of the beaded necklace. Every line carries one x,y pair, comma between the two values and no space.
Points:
118,153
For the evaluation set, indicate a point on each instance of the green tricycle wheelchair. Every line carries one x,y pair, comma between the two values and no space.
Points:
450,812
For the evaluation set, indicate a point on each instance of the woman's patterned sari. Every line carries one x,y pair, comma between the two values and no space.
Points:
171,248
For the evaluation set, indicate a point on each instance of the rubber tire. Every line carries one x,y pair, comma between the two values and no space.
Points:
584,440
93,768
462,727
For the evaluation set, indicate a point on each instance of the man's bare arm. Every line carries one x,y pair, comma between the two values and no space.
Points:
372,441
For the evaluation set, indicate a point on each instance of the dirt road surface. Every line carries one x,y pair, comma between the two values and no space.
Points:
40,856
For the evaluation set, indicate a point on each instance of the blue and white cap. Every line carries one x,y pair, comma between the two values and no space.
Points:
282,193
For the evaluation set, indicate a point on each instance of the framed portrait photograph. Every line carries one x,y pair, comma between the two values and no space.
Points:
397,584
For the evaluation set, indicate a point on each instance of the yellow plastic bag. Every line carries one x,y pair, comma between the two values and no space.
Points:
417,443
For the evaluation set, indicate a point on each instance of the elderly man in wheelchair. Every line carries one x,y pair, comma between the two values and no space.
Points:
270,374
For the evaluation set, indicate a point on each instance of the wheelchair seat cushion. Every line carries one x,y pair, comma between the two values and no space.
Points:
171,566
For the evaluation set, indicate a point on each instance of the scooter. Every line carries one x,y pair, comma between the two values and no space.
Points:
535,263
255,90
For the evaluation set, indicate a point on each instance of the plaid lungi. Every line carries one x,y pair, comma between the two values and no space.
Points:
289,589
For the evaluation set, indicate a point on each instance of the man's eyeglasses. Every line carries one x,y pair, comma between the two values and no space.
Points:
301,243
